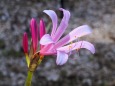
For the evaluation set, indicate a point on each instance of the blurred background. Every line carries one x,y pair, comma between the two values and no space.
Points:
83,68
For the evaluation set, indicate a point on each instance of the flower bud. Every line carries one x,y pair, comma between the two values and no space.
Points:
25,43
42,30
34,33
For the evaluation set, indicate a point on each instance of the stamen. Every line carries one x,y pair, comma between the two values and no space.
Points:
71,42
70,47
80,47
75,37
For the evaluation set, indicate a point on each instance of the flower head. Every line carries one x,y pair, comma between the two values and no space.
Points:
54,44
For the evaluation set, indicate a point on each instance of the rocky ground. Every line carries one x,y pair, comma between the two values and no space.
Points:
84,69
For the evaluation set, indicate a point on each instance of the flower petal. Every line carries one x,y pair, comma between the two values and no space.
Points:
77,32
54,19
78,45
62,58
63,25
46,39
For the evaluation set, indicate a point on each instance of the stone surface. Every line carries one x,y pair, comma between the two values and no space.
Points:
83,68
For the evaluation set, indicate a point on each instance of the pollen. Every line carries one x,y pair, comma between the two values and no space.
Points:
79,47
71,42
75,36
70,46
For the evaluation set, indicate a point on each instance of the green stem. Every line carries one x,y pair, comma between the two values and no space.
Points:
27,59
29,78
32,67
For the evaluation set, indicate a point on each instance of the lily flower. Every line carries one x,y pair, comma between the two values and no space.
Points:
53,43
62,47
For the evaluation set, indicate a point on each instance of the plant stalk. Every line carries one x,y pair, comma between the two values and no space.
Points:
29,78
32,67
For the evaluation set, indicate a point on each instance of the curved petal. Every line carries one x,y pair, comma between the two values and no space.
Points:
77,32
78,45
46,39
63,25
54,19
62,58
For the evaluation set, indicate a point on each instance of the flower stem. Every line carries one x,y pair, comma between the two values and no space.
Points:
27,59
29,78
32,67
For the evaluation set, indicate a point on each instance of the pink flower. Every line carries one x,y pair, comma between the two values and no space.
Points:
34,34
54,44
25,43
